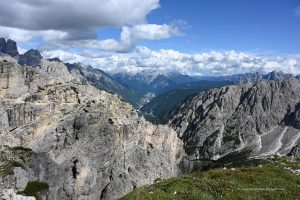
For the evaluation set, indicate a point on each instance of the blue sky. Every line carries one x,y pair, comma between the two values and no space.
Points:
203,37
253,25
242,25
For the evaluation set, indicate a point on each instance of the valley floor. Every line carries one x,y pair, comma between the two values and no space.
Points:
273,179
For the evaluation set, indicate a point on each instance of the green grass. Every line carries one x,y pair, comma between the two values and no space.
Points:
269,181
35,188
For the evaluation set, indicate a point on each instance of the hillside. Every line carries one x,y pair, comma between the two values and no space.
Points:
103,81
260,120
273,179
157,108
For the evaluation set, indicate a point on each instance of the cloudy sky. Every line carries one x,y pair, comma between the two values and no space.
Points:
195,37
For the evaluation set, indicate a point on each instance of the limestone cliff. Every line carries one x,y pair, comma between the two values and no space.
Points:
83,142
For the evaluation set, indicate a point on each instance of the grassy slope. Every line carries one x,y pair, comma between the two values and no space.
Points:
269,181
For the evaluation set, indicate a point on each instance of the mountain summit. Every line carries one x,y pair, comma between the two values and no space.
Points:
8,47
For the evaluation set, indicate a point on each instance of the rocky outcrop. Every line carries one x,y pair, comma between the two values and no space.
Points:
295,152
8,47
103,81
2,45
31,58
11,194
84,143
260,119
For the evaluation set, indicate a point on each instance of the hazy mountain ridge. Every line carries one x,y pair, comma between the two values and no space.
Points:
253,77
152,81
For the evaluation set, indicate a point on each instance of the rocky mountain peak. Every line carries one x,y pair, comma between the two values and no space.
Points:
31,58
8,47
2,45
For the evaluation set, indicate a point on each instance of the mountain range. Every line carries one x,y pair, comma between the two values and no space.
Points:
67,131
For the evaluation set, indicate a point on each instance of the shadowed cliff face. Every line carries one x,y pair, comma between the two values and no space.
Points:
260,119
8,47
85,143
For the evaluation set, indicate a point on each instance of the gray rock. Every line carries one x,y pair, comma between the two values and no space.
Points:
31,58
295,152
10,194
8,47
86,143
2,45
260,120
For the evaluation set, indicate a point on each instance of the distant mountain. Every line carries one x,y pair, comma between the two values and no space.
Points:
247,120
151,81
103,81
252,77
8,47
31,58
160,105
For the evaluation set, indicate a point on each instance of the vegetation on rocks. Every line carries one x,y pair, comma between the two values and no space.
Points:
35,188
272,180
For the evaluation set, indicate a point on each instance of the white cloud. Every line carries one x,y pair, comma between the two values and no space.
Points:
74,23
21,35
74,14
213,63
130,35
150,32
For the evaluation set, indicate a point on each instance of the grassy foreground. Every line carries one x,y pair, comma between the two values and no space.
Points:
269,181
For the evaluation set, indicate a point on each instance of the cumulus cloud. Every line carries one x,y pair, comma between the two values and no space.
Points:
21,35
73,14
212,63
128,38
74,23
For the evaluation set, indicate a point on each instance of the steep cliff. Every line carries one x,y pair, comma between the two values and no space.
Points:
8,47
83,142
257,120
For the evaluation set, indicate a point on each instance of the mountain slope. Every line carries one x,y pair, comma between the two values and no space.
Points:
259,120
103,81
159,106
270,180
152,81
78,142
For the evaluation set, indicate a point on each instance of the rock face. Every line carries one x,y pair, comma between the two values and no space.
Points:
260,120
8,47
2,45
295,152
31,58
10,194
103,81
85,143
